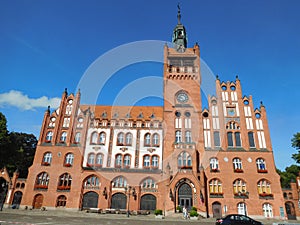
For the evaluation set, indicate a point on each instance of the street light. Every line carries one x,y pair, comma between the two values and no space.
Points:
4,186
244,194
129,191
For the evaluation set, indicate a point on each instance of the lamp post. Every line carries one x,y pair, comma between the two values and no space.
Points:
129,191
244,194
4,187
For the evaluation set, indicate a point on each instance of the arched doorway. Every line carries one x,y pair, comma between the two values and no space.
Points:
290,210
38,201
17,199
217,210
148,202
90,200
185,196
118,201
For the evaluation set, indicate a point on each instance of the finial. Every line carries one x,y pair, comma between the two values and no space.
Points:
48,109
178,14
66,91
217,76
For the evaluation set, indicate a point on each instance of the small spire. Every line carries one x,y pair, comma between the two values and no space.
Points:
178,13
48,109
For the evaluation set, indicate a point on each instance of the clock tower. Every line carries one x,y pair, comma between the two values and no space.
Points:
183,139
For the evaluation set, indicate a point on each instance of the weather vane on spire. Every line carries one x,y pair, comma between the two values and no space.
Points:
178,14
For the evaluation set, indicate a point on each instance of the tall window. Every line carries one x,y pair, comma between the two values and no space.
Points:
229,139
261,164
217,138
237,164
94,138
178,136
127,160
129,139
42,181
118,160
69,159
148,183
49,136
251,140
99,159
155,139
91,182
239,186
147,139
242,208
215,187
119,182
268,210
264,187
214,164
184,160
77,137
154,161
188,137
146,160
237,139
91,159
65,182
47,159
120,139
63,136
102,137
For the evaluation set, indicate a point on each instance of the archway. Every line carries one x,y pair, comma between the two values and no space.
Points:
118,201
290,210
90,200
185,196
17,199
38,201
148,202
217,210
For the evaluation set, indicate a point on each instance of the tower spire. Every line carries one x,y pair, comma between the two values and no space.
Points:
179,34
178,14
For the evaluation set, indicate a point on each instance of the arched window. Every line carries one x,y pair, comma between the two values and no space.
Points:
155,140
237,164
91,159
215,187
242,208
268,210
154,161
94,138
147,139
184,160
47,159
229,139
239,186
65,182
128,139
264,188
77,137
148,183
127,160
61,201
188,137
217,139
42,181
237,136
49,136
99,160
102,137
119,182
178,136
91,182
69,159
118,162
261,165
120,138
146,161
251,140
63,136
214,164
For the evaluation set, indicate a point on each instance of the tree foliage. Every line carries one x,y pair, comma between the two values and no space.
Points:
16,149
296,144
289,175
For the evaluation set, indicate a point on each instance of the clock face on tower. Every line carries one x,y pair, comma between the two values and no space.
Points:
182,97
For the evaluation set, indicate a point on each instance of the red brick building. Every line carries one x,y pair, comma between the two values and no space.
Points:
218,159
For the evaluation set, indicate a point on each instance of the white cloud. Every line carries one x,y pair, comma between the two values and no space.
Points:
23,102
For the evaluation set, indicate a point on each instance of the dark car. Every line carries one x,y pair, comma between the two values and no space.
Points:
236,219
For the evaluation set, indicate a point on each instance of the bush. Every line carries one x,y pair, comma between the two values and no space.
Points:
194,208
158,212
179,208
193,213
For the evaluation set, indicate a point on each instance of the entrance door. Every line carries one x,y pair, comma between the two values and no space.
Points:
148,202
118,201
290,211
90,200
17,199
38,201
217,211
185,196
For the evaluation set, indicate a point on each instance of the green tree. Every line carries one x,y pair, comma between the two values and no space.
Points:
289,175
296,144
4,139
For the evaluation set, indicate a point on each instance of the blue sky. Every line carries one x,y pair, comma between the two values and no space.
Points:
46,46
